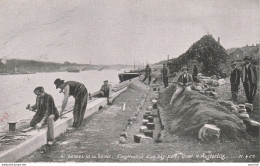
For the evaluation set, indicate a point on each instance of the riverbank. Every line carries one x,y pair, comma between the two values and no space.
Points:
17,90
98,140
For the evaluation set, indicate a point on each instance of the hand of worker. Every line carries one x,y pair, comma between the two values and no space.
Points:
39,125
61,114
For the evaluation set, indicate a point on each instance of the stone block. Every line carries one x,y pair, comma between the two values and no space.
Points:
148,133
149,108
145,116
241,106
154,101
209,132
155,106
145,122
242,111
124,134
249,107
122,140
142,129
150,119
150,126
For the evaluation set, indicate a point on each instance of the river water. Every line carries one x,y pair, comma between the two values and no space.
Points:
17,90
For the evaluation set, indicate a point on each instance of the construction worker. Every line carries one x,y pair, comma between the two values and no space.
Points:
148,71
234,81
45,107
184,82
105,89
195,71
249,79
80,93
165,75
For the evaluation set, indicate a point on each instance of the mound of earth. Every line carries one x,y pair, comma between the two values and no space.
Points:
192,110
211,58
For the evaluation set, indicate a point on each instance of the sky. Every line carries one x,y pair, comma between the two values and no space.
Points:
121,31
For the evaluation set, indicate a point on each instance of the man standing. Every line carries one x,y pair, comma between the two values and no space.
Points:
184,82
148,71
165,75
80,93
195,72
235,81
45,107
249,79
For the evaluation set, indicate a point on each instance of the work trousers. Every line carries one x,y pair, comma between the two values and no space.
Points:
165,81
80,107
179,90
234,91
250,90
149,79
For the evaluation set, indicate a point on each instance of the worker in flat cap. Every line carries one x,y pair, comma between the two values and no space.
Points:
80,94
234,81
105,89
183,83
45,107
249,79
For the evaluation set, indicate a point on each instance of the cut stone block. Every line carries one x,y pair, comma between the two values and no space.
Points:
242,111
149,108
249,107
142,129
12,126
122,140
155,106
148,112
234,110
254,123
150,126
145,116
154,101
230,102
145,121
150,119
148,133
209,132
137,138
142,138
241,106
124,134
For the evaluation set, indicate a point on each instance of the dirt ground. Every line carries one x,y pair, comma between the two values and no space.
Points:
98,139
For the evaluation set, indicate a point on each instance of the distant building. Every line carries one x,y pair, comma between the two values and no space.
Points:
237,54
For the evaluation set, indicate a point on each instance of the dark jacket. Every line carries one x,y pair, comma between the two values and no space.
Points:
235,76
45,106
105,89
165,72
195,70
184,81
148,71
249,73
76,88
